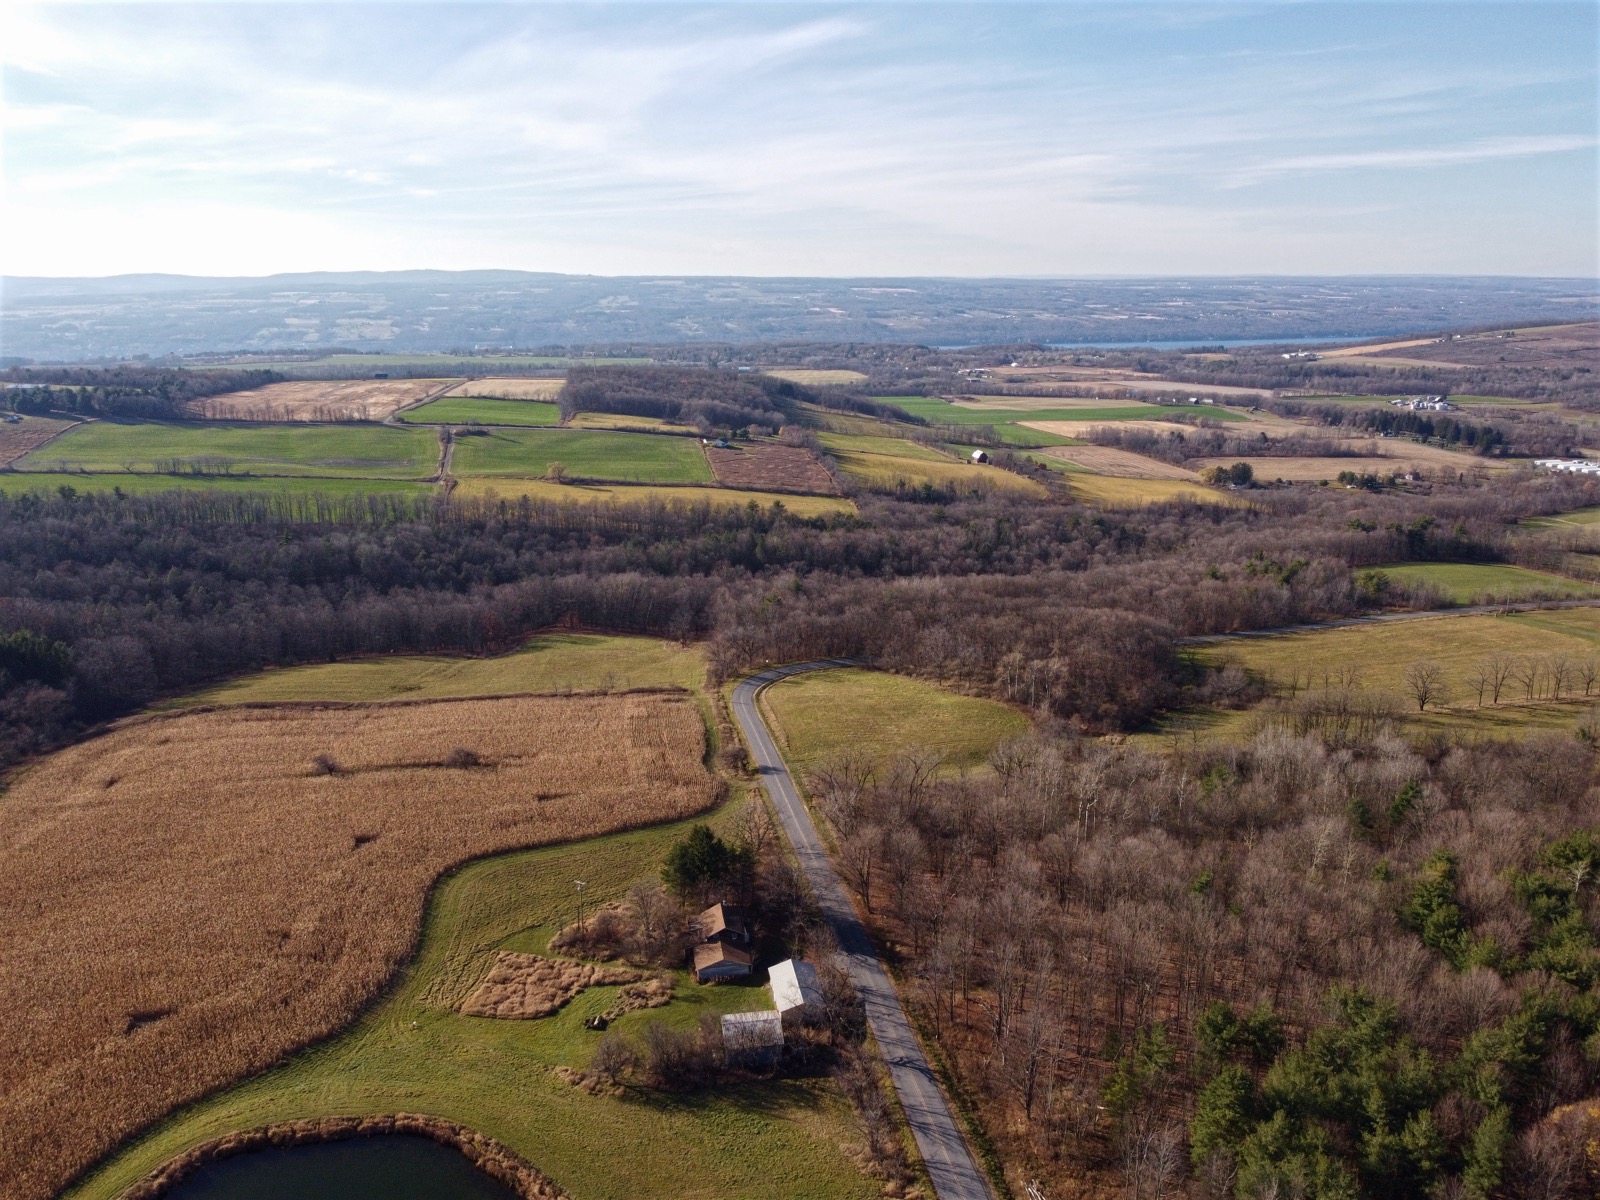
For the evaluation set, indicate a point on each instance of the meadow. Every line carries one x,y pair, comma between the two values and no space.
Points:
822,715
1487,583
612,493
549,662
624,457
510,389
473,410
414,1052
50,483
346,451
942,412
1119,492
196,894
813,378
887,471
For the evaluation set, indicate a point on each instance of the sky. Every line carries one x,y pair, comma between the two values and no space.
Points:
1057,139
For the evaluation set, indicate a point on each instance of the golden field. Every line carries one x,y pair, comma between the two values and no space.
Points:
493,488
192,896
510,389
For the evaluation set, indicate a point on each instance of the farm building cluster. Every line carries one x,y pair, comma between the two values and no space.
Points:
1424,404
724,953
1570,466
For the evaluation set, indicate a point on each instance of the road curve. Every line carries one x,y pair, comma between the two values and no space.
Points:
951,1168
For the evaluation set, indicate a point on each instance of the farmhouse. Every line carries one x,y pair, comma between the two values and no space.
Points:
724,923
794,985
714,961
752,1037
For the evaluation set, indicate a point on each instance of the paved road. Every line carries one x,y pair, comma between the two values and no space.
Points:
951,1168
1385,617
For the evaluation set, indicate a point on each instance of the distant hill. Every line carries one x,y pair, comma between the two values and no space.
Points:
73,319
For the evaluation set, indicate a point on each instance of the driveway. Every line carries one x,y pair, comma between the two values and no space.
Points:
951,1168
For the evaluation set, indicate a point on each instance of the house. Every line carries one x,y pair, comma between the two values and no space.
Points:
978,456
795,985
724,923
752,1037
715,961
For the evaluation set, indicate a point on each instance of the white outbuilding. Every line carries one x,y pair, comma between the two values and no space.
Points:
978,456
794,985
752,1037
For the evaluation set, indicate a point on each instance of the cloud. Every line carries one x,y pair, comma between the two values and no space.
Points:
1484,150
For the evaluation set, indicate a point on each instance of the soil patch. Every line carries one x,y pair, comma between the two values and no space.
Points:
763,467
318,400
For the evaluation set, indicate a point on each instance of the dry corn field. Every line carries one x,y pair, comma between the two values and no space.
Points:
189,897
510,389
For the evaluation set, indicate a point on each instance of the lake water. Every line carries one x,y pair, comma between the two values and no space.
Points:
385,1167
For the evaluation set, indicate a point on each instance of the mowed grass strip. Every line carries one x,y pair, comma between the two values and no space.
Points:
50,483
822,715
347,451
414,1052
471,410
191,896
620,493
1487,583
942,412
552,662
587,454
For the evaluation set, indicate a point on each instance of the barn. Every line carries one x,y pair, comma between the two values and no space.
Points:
795,985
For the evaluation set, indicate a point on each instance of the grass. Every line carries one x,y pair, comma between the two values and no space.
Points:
49,483
626,422
942,412
440,363
625,457
875,444
1116,492
475,410
1577,517
552,662
886,471
823,714
1467,583
413,1052
249,903
819,378
591,493
346,451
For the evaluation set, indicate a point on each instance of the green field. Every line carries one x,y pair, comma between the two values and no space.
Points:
1487,583
50,483
586,454
474,410
554,662
414,1053
1578,517
823,714
346,451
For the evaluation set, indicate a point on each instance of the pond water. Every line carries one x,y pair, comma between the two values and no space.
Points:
385,1167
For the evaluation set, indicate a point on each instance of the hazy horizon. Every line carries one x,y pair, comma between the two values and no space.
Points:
1046,141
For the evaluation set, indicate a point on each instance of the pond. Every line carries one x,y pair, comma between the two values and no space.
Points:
384,1167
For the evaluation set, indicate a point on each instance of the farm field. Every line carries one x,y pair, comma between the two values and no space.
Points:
509,389
1106,460
877,443
29,433
601,493
943,412
1578,518
472,410
436,364
625,457
17,483
763,466
414,1052
888,471
287,893
1114,492
551,662
808,377
318,400
822,715
1488,583
625,423
347,451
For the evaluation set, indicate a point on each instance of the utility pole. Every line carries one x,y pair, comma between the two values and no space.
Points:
580,885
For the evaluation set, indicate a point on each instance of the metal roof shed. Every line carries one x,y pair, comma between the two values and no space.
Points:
752,1035
795,985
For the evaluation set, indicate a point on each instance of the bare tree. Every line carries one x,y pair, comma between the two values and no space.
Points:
859,854
1558,669
1425,681
1497,669
1526,672
1588,671
1478,681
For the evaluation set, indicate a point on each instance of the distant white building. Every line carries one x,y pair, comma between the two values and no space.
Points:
1569,466
978,456
795,985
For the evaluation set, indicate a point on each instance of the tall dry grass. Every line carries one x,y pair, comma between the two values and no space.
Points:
189,897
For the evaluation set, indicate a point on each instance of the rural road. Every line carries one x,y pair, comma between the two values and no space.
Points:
951,1168
1384,618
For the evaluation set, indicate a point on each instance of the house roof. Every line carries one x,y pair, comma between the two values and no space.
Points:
721,918
794,983
752,1030
712,953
